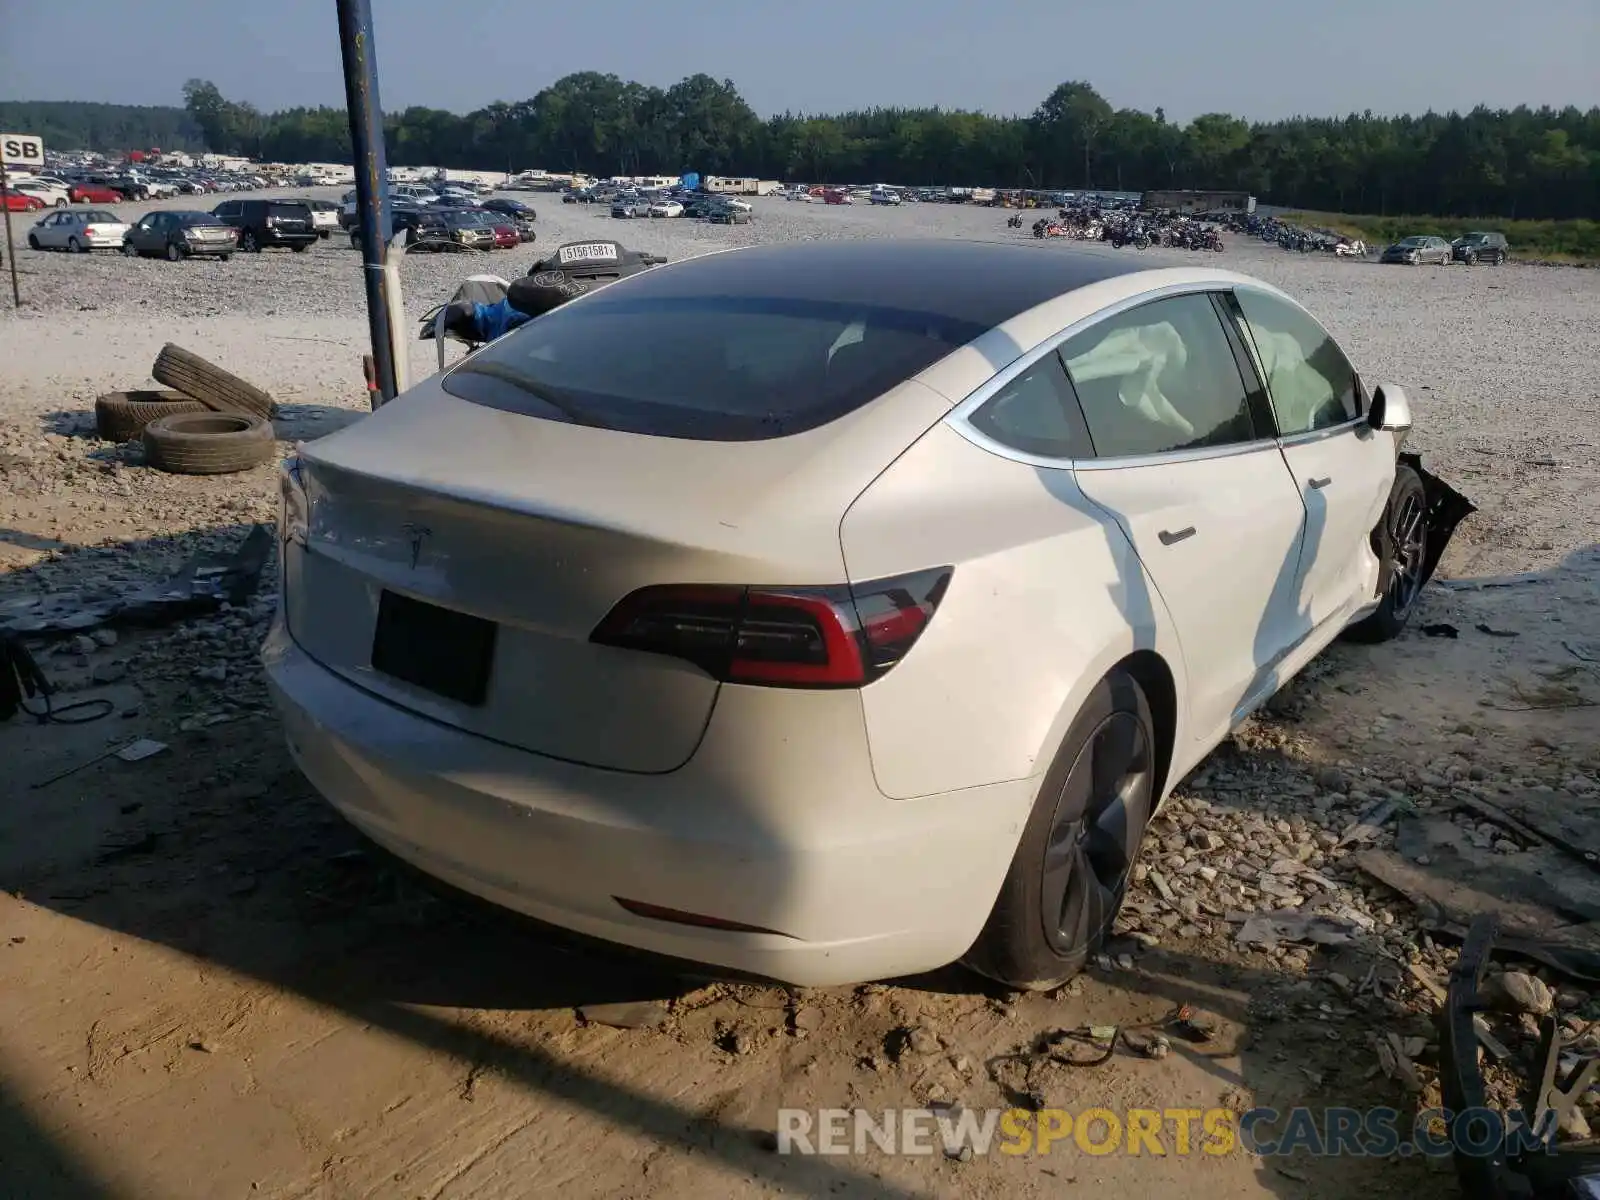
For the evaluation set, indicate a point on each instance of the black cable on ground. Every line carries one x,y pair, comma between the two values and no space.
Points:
21,680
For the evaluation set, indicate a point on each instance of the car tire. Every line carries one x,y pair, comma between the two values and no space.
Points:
174,252
224,257
61,203
1073,862
74,246
1469,259
1401,543
130,250
300,247
33,242
217,389
249,243
209,443
122,416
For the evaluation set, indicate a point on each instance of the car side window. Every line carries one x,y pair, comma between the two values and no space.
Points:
1037,413
1311,383
1159,378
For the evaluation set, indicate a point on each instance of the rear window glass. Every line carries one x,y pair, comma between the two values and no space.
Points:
288,210
717,368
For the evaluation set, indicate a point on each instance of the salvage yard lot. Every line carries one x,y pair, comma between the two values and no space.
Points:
208,988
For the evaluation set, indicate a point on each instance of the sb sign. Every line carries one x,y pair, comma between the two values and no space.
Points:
21,150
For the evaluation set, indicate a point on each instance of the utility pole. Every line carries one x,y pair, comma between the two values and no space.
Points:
372,181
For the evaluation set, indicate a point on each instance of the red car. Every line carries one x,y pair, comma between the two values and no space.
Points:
21,201
93,193
506,236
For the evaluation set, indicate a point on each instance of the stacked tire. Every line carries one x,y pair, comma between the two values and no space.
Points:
210,422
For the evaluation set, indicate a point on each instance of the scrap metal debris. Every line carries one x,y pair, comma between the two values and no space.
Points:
1267,929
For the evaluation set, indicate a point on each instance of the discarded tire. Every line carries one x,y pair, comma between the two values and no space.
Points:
122,416
208,443
217,389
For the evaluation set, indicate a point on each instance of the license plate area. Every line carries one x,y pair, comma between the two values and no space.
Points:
437,649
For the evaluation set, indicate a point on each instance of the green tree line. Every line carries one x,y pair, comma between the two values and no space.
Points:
1518,163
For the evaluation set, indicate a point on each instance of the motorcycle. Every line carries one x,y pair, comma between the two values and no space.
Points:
1014,221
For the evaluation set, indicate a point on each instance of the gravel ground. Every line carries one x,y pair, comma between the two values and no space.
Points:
445,1082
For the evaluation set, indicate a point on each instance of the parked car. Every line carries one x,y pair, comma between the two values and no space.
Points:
522,215
724,212
1480,247
1414,250
506,234
93,193
324,216
263,223
50,193
178,235
899,671
78,231
16,201
467,228
417,222
629,205
666,208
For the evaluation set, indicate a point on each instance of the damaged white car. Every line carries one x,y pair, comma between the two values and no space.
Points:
835,611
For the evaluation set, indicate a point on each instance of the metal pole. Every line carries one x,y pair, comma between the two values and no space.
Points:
372,184
11,249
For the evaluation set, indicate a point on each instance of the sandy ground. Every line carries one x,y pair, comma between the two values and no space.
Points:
209,989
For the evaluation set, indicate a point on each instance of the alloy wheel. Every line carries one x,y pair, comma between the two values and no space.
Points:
1409,530
1098,822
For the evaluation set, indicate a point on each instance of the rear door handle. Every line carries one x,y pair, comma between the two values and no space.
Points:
1319,484
1169,538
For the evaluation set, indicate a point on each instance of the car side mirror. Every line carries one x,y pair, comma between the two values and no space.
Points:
1390,410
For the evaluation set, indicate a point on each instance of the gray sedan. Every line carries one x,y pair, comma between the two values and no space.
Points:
78,231
1414,250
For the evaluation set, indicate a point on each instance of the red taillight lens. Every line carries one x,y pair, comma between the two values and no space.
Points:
780,636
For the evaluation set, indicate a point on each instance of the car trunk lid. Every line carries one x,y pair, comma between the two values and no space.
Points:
457,558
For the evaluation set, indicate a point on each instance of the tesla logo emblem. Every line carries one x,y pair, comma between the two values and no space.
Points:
416,533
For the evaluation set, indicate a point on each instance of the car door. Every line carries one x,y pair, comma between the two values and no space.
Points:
48,231
1341,467
152,234
1187,463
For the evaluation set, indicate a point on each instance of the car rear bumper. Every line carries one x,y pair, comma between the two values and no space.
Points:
786,834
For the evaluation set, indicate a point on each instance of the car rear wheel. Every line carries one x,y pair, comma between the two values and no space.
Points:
1401,541
248,242
130,249
1071,868
174,252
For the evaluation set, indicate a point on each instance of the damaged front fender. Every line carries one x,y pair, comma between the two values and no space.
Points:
1447,508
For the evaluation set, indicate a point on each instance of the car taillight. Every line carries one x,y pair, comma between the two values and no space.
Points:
780,636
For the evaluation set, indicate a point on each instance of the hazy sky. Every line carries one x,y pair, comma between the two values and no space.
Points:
1254,58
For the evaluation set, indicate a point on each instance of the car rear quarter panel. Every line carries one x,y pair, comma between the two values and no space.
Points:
1047,595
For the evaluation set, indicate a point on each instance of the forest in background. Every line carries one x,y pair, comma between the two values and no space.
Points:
1527,164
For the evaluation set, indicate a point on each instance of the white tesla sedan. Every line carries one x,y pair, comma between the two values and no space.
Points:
836,610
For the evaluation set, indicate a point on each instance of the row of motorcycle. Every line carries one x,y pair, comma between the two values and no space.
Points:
1126,227
1292,237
